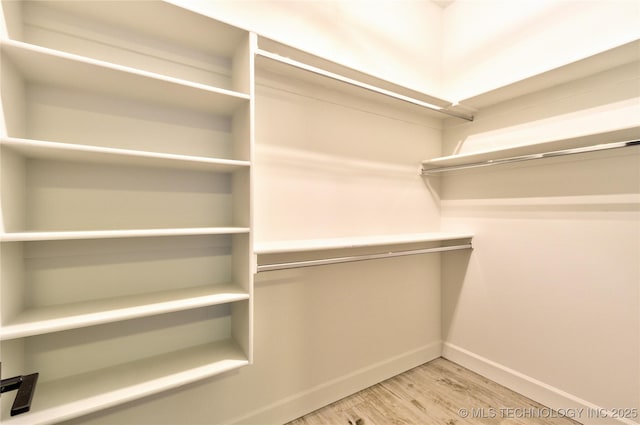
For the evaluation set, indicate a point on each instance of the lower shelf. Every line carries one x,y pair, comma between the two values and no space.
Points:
78,395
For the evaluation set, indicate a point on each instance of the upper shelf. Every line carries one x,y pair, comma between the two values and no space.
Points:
177,42
354,242
609,59
282,59
46,66
588,143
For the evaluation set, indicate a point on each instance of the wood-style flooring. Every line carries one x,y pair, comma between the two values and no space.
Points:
437,393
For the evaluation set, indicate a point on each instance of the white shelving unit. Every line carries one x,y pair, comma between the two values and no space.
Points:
126,191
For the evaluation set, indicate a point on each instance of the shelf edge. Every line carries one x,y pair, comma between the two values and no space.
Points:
112,315
280,247
15,44
113,397
20,144
107,234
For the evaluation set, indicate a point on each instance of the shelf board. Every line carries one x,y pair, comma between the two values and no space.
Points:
599,62
265,248
85,153
279,58
78,395
484,157
106,234
82,314
47,66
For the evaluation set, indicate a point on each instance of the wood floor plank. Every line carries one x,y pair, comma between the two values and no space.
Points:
434,394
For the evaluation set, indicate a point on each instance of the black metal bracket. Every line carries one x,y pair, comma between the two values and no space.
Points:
26,386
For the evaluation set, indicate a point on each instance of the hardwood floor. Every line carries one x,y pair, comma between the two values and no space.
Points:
437,393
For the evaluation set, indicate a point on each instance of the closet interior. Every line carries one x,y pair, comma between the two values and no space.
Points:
152,169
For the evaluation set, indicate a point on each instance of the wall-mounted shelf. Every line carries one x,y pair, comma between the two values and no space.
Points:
69,316
627,137
342,249
104,155
47,66
281,59
64,399
609,59
109,234
278,247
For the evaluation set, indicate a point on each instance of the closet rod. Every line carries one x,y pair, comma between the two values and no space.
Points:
360,84
336,260
428,170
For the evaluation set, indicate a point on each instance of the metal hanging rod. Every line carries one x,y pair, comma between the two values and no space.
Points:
434,169
336,260
356,83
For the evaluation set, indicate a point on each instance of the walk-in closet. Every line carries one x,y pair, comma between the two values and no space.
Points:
240,212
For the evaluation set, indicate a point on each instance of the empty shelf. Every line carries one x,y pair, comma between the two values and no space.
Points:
588,143
66,398
354,242
81,314
285,60
104,234
47,66
85,153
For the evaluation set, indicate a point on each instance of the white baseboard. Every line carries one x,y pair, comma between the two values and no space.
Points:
589,413
314,398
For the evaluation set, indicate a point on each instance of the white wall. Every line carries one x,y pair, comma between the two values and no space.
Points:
491,43
329,165
548,303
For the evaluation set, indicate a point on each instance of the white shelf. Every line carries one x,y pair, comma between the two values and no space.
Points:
105,234
84,153
47,66
599,62
78,395
174,24
278,247
297,64
82,314
624,134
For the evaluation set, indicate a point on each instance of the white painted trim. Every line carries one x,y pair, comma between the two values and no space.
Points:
529,387
304,402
